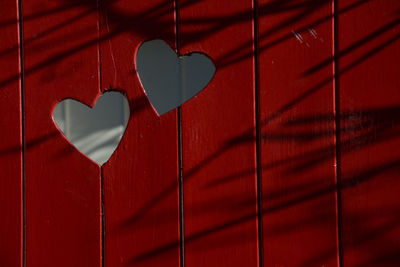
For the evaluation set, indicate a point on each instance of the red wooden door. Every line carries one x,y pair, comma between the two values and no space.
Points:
297,111
218,144
367,62
288,157
62,188
11,153
140,182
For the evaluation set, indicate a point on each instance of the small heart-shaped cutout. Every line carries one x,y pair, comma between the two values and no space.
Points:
169,80
97,131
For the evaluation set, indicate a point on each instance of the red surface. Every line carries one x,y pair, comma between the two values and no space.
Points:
297,133
10,138
218,126
369,85
62,185
141,178
62,47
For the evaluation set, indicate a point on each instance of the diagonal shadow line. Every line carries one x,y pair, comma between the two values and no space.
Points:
233,142
320,85
377,232
217,153
58,57
236,54
38,15
348,183
365,117
29,144
61,55
230,144
375,133
373,234
247,15
46,32
370,53
316,156
64,54
273,7
244,51
348,146
52,59
372,36
147,18
232,58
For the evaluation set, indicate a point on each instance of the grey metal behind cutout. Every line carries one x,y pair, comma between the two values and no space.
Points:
169,80
95,132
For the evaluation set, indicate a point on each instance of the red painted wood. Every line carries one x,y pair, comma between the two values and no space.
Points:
297,133
369,55
62,185
10,140
218,140
141,200
141,178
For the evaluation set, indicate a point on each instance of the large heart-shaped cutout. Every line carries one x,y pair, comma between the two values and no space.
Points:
97,131
169,80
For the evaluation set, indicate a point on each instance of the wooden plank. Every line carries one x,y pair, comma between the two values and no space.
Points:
297,133
141,178
218,144
11,246
62,185
369,52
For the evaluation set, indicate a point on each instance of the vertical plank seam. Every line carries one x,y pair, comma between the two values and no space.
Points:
335,68
181,214
22,110
103,219
102,204
98,46
180,158
258,135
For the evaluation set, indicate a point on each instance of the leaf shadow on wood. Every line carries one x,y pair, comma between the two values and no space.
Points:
370,126
120,23
379,131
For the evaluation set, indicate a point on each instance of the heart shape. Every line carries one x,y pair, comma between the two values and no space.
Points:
97,131
169,80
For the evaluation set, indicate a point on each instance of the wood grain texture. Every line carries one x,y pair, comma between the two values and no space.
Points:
141,178
218,137
368,59
10,138
62,185
297,133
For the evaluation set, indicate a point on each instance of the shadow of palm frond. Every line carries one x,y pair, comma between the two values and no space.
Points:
359,178
367,127
118,23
